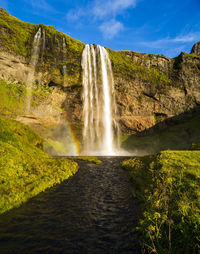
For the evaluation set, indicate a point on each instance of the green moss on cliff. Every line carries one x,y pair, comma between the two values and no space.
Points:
63,62
11,98
191,56
25,170
16,36
159,117
168,185
125,67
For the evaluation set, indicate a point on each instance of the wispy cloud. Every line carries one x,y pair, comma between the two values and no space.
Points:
168,41
191,37
111,28
103,9
74,15
41,5
172,46
106,12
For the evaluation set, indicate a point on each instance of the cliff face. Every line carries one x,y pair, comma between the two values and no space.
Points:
55,67
196,49
149,88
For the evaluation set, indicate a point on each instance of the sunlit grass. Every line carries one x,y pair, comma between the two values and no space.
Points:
93,159
25,170
168,184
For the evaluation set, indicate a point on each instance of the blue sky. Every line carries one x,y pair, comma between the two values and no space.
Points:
150,26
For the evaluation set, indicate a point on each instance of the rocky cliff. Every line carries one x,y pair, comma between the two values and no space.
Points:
149,88
56,73
152,88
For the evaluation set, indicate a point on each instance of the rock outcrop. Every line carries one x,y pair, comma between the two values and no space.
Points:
152,88
149,88
196,49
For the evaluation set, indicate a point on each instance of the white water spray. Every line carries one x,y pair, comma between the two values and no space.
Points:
99,107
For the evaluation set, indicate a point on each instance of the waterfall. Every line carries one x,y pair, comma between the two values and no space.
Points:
64,47
36,48
99,106
33,62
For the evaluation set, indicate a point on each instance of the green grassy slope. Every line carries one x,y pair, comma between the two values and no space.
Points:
124,66
93,159
25,170
12,97
177,137
17,36
168,184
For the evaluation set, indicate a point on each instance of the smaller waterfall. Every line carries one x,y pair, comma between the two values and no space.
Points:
99,106
33,62
36,47
64,47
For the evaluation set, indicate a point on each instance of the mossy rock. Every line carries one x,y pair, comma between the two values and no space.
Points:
124,66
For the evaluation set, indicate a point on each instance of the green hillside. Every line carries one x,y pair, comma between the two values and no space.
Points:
168,184
25,170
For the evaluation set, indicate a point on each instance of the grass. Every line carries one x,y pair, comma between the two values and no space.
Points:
54,147
17,38
12,98
25,170
93,159
124,66
168,184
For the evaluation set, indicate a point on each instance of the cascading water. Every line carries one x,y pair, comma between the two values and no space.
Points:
64,47
33,61
99,107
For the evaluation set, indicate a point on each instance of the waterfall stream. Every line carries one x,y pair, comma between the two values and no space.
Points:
33,62
99,106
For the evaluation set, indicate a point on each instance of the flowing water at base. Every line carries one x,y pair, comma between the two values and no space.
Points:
93,212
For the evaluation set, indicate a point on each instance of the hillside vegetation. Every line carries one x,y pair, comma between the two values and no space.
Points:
179,136
25,170
168,184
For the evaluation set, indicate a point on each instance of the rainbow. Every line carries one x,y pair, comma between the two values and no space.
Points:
75,143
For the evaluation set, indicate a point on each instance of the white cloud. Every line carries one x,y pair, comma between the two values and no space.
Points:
105,11
169,41
41,5
191,37
74,15
108,8
111,28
